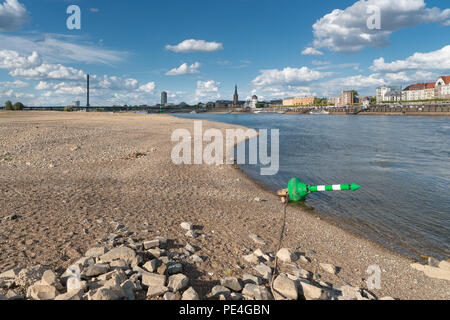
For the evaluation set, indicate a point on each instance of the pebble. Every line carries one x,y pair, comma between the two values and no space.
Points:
178,282
190,295
264,270
187,226
232,283
256,239
328,268
286,287
286,255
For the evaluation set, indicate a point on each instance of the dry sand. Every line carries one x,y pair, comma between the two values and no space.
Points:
66,176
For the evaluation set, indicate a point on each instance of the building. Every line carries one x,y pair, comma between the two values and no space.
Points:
389,93
163,98
333,101
235,97
254,102
296,102
76,104
442,87
347,98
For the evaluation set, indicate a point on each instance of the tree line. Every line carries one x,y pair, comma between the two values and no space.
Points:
16,107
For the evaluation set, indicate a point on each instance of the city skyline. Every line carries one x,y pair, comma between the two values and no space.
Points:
315,50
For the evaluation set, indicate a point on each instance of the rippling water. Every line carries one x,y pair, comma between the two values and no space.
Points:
402,163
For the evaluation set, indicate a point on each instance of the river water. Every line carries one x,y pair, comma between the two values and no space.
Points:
402,164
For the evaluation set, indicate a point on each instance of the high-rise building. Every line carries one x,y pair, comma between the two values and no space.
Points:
236,97
163,98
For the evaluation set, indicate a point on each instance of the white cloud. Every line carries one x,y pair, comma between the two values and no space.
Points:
13,15
184,69
287,76
347,31
14,84
61,48
148,88
311,52
192,45
435,60
207,89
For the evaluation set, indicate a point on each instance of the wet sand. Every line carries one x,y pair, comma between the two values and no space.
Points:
67,176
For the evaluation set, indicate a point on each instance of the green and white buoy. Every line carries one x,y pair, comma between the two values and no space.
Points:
298,191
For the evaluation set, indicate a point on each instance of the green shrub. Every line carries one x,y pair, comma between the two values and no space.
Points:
68,108
8,105
18,106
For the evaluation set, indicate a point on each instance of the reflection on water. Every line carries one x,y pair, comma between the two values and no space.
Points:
401,162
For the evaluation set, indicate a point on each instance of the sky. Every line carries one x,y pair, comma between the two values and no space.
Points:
198,50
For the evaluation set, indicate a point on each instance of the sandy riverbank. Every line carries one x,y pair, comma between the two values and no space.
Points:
65,172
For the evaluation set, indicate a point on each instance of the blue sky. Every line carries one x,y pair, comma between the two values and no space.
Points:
198,50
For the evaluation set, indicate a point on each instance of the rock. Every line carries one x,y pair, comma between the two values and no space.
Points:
251,258
445,265
74,295
178,282
256,239
190,248
156,253
349,293
264,271
119,264
220,290
304,259
311,292
261,254
191,234
436,273
232,283
2,297
121,253
95,252
169,296
196,259
156,291
151,244
174,268
286,287
152,265
49,278
13,295
187,226
254,292
153,280
29,276
85,262
42,292
433,262
129,287
328,268
115,280
10,274
387,298
301,273
286,255
190,295
97,269
249,278
103,294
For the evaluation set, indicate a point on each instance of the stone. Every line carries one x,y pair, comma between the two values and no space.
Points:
129,288
156,253
119,264
174,268
169,296
256,239
196,259
435,273
191,234
95,252
29,276
156,291
311,292
261,254
286,287
236,296
10,274
387,298
232,283
42,292
220,290
190,248
328,268
187,226
349,293
264,270
85,262
153,280
97,269
433,262
190,295
445,265
178,282
151,244
254,292
103,294
249,278
251,258
304,259
301,273
49,278
74,295
152,265
121,253
286,255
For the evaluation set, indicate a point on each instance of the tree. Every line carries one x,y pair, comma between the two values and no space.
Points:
18,106
8,105
68,108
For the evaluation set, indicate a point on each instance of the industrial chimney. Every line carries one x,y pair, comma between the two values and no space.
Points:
87,104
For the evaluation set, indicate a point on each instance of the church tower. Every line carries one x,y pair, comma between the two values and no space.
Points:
236,97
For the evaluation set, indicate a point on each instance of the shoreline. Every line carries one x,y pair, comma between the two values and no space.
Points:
217,198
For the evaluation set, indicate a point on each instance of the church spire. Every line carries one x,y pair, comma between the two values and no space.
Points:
236,97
